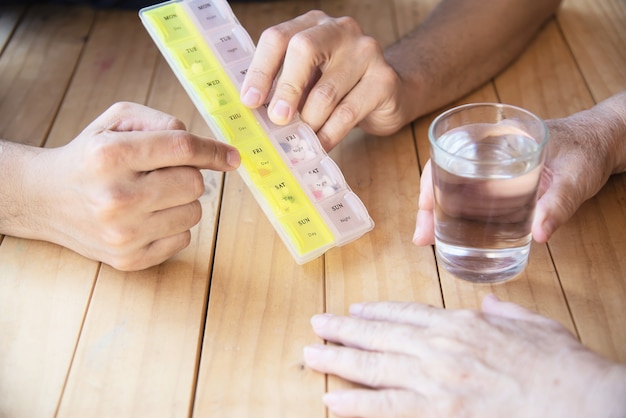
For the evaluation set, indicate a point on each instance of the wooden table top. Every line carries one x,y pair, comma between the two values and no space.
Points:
219,329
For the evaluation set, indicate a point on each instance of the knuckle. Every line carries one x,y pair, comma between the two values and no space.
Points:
369,46
110,203
193,181
303,42
374,376
389,401
376,333
386,74
349,24
316,15
119,239
183,146
102,154
260,75
327,138
185,240
469,316
276,36
173,123
198,183
124,264
121,107
288,88
346,114
195,213
327,93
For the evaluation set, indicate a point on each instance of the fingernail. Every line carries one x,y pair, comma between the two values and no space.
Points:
252,97
491,298
356,308
417,234
312,354
548,228
332,399
233,158
280,111
318,321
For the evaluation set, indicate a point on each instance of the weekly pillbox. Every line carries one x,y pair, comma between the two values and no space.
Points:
299,187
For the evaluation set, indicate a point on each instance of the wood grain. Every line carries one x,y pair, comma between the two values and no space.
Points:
595,33
218,330
36,68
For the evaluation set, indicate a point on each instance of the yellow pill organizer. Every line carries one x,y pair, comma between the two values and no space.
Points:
299,187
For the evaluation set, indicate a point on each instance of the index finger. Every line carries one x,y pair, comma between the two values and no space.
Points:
365,334
146,151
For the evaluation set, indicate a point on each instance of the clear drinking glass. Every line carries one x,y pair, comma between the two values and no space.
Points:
486,161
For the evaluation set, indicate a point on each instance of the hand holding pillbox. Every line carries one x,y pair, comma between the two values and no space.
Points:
299,187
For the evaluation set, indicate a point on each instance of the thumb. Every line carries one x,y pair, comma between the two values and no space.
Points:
553,209
425,223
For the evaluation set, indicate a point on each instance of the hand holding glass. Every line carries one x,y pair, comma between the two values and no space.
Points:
487,160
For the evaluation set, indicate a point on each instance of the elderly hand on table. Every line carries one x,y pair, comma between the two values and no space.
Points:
419,361
584,149
124,192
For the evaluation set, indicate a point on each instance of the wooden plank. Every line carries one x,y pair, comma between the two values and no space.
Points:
589,255
595,32
410,13
36,67
545,78
260,300
140,343
42,305
384,264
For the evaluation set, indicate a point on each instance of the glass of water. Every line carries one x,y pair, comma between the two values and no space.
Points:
486,161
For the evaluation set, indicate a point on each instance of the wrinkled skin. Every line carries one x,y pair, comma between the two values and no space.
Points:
419,361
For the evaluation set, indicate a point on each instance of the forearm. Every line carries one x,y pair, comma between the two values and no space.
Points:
461,45
600,131
16,169
611,123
